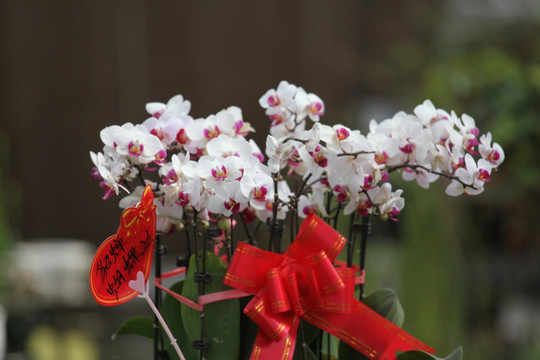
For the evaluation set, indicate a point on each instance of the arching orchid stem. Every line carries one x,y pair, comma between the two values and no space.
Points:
355,154
302,187
445,175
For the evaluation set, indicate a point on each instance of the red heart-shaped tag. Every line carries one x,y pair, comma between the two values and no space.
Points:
118,260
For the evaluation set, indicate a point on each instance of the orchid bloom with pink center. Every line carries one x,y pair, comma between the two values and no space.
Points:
472,177
492,153
219,173
183,198
227,199
283,96
341,193
428,114
219,170
259,193
364,206
342,133
408,148
389,203
135,148
257,184
316,109
175,107
232,205
381,158
211,132
319,157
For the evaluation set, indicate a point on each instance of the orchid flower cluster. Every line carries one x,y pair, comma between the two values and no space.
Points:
208,165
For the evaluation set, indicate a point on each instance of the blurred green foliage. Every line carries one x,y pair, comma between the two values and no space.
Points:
451,244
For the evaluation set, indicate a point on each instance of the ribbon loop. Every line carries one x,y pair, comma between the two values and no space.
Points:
276,291
303,283
274,325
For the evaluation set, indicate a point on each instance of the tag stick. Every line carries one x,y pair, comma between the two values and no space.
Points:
139,286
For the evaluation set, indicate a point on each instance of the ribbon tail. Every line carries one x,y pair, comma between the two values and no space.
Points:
367,332
265,348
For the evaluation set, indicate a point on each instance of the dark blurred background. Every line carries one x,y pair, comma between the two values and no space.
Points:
467,270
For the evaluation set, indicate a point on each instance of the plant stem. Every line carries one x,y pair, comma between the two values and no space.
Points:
247,231
364,233
351,240
417,166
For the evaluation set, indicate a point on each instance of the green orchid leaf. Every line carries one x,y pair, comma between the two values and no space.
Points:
421,355
222,318
171,312
140,325
385,302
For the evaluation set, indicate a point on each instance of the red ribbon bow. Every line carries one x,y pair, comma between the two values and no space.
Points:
302,283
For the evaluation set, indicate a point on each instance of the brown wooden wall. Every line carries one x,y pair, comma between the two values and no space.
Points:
70,68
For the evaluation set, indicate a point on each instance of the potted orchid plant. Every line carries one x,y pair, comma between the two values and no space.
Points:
263,222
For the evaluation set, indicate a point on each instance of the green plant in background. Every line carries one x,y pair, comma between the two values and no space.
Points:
498,80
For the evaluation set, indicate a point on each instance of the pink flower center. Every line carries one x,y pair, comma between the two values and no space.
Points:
483,175
183,198
181,137
171,177
493,156
273,100
316,108
135,148
259,193
341,192
318,157
158,114
160,157
381,158
219,174
158,132
459,163
276,119
308,209
342,134
240,129
408,148
392,215
211,132
471,143
232,205
368,183
363,208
